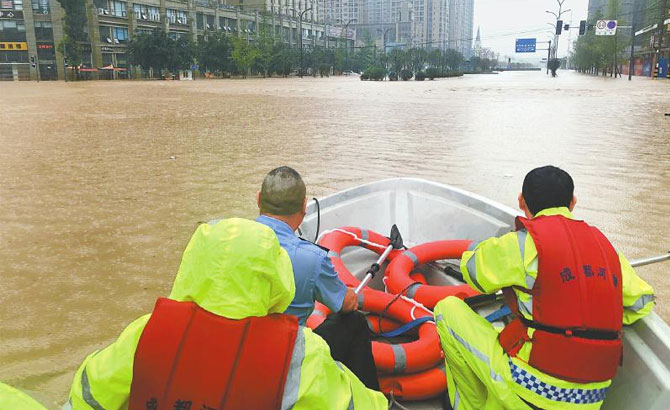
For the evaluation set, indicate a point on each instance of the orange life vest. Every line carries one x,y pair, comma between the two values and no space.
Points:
577,304
189,358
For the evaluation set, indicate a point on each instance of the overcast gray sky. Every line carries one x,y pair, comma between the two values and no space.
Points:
502,21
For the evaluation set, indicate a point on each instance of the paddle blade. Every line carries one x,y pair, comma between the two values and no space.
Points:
396,238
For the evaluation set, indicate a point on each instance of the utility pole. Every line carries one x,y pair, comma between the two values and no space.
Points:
346,39
661,32
548,55
631,65
300,14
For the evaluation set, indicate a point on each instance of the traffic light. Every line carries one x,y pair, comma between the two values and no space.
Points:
32,61
582,27
559,27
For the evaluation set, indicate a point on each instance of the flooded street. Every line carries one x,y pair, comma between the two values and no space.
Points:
102,183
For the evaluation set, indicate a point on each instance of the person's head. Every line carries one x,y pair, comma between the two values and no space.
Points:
546,187
282,196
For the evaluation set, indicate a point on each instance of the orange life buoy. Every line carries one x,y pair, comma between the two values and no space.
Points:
410,357
338,239
417,386
398,272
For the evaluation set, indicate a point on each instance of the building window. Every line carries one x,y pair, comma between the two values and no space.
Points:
43,31
120,35
117,8
12,30
9,4
177,16
149,13
41,7
106,34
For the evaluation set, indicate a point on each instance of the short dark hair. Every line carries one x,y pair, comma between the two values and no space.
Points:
547,187
283,192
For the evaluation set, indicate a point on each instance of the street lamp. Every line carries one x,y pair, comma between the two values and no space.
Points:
346,38
386,30
558,17
301,13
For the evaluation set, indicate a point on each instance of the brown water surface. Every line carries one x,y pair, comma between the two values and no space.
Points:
94,213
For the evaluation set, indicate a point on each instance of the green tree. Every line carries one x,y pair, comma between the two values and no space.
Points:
150,50
453,59
244,55
181,53
284,59
215,53
75,22
417,58
397,59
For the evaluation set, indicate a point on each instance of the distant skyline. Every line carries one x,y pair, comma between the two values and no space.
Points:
503,21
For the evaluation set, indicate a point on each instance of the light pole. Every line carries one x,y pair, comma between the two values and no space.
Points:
558,17
300,14
346,38
386,30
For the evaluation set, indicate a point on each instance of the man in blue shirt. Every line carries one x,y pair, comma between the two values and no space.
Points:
282,202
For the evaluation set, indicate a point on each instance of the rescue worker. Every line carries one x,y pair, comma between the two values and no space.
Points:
220,340
570,292
282,203
13,399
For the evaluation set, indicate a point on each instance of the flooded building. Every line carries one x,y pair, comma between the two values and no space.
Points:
30,31
33,32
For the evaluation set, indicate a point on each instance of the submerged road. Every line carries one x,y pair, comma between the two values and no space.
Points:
102,183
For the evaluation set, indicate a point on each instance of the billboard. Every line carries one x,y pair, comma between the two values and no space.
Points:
335,32
525,45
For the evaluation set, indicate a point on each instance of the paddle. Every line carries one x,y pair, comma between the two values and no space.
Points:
396,243
647,261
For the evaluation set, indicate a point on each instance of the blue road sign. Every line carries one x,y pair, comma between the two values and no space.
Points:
525,45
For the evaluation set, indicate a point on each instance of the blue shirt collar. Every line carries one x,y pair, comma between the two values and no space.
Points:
275,224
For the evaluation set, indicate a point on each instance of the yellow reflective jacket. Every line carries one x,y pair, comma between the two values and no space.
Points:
497,263
234,268
13,399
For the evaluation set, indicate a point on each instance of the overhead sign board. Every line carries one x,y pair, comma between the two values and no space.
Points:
525,45
606,27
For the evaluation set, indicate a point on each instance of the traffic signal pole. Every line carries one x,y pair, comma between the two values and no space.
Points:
631,64
548,56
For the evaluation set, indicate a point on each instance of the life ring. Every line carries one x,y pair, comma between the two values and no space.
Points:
338,239
398,272
318,315
418,386
397,358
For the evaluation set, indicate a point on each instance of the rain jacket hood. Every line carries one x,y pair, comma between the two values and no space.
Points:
235,268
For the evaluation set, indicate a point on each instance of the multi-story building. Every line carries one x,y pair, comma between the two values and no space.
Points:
30,32
630,11
386,21
37,31
461,20
422,23
339,11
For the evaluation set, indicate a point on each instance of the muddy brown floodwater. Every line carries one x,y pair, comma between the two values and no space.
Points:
102,183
